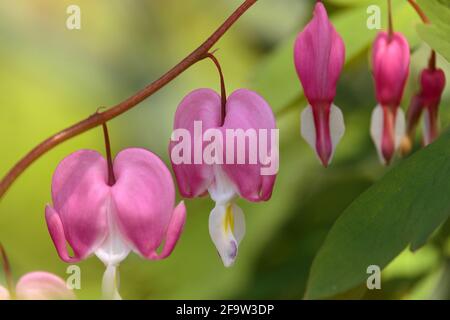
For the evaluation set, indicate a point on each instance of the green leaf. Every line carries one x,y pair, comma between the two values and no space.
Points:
436,34
402,209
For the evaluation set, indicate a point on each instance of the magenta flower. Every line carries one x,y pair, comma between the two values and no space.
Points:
433,84
224,164
134,214
390,63
319,56
38,286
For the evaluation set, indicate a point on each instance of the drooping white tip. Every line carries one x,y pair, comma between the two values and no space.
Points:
110,283
227,228
377,127
336,128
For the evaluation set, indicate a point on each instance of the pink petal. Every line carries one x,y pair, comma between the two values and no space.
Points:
200,105
173,233
247,110
144,196
390,62
42,286
319,55
79,192
4,293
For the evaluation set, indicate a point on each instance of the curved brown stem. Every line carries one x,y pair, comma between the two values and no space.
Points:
101,117
111,177
390,20
426,20
223,91
419,11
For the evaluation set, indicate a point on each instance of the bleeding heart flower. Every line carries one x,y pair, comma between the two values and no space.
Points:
39,286
432,84
390,63
319,56
246,111
136,213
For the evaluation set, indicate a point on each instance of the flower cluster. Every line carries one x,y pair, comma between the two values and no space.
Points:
227,147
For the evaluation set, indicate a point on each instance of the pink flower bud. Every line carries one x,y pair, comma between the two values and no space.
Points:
232,172
390,63
39,286
319,56
433,84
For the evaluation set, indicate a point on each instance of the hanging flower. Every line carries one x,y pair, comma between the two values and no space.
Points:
319,56
136,213
230,157
38,286
390,63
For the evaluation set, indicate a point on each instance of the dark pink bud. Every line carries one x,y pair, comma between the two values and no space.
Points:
319,56
433,84
390,63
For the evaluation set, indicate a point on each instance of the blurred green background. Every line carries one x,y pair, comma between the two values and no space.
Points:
51,77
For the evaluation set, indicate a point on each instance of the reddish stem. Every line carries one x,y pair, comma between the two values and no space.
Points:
419,11
391,24
425,20
223,92
101,117
111,177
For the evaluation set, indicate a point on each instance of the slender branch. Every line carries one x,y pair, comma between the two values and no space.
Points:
7,271
426,20
101,117
390,22
111,177
223,91
419,11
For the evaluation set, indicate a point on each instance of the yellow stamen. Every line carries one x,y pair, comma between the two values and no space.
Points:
228,221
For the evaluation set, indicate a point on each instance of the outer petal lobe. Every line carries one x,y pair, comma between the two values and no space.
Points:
246,110
319,56
79,192
144,196
201,106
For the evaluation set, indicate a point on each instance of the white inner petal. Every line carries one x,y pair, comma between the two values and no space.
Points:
400,127
337,127
376,130
114,249
308,129
110,284
222,190
227,229
426,127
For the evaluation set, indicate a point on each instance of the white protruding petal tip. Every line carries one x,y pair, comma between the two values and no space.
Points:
376,130
227,228
336,127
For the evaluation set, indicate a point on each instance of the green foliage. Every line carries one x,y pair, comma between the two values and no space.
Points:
436,34
402,209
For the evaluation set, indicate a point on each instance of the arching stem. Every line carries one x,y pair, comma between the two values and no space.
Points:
390,20
223,92
111,177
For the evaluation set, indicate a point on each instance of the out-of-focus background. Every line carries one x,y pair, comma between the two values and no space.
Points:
51,77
